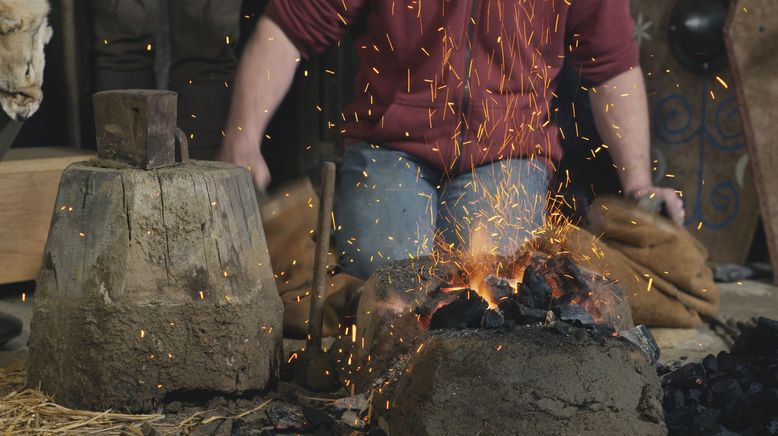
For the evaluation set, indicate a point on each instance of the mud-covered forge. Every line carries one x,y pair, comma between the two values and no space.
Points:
526,345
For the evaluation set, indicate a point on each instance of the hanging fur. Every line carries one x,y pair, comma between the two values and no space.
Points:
24,31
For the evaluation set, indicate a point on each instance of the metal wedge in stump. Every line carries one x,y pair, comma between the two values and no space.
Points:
314,368
156,279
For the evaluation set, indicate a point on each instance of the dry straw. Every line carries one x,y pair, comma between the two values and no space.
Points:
26,411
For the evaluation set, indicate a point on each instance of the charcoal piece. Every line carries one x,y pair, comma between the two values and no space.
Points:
574,314
492,318
680,422
733,365
753,388
497,288
726,391
689,376
464,312
522,315
564,328
317,418
732,415
287,418
696,396
721,431
766,401
570,280
673,400
711,364
770,428
707,422
761,340
642,337
535,292
605,330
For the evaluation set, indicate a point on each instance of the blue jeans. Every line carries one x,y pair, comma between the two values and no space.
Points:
391,205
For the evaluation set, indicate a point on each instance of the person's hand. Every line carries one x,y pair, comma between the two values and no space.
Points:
247,155
671,199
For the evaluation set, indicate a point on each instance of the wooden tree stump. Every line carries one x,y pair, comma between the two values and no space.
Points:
154,283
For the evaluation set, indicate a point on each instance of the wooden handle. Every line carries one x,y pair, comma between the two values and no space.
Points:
323,229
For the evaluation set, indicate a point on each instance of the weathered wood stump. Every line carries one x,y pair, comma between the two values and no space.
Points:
154,283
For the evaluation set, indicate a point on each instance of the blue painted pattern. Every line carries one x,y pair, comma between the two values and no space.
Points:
673,124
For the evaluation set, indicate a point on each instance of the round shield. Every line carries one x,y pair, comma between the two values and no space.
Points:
696,34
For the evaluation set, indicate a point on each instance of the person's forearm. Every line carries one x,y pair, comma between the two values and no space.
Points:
620,111
265,73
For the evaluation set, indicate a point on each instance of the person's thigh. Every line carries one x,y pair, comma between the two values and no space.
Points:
203,35
496,208
122,31
385,208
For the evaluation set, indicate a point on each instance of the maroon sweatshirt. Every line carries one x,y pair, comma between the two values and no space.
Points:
461,83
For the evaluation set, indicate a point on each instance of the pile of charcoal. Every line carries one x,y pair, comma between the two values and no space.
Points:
535,303
729,394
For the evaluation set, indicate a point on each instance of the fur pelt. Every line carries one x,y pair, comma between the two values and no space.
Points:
24,31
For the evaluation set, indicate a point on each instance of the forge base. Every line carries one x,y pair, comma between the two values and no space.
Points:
538,382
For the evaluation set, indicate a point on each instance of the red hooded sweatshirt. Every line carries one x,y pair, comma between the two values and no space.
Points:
461,83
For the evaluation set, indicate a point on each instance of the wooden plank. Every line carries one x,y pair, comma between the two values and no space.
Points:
29,178
751,33
697,140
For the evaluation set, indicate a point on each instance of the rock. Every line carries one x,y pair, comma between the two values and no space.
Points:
173,407
148,430
484,382
157,281
317,418
357,402
224,429
208,429
287,417
574,314
641,337
353,420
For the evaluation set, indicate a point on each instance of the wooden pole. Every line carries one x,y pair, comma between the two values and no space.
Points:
69,44
323,229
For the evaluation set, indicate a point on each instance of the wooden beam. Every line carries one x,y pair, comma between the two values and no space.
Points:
29,178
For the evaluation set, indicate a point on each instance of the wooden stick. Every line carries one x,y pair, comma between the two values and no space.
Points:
69,44
323,229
